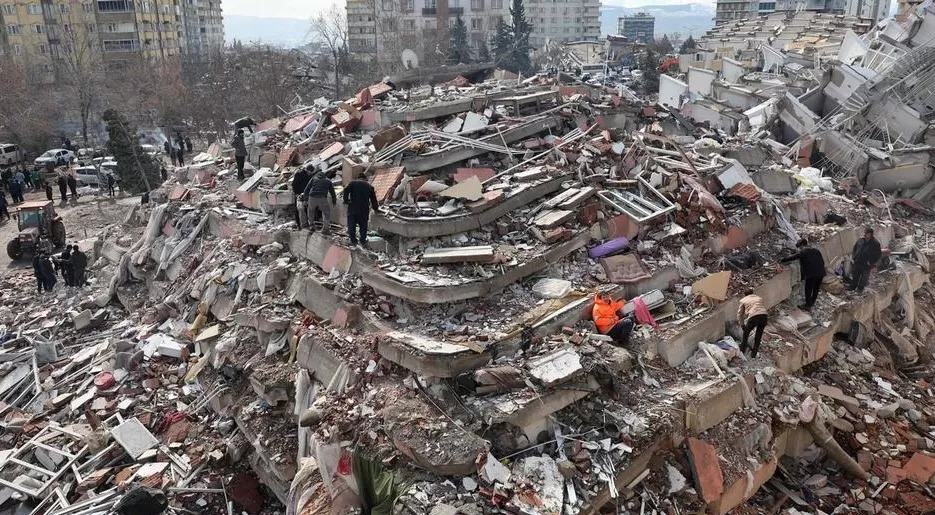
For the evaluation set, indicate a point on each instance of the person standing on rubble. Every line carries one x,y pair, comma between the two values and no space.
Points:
752,315
4,212
64,264
357,195
299,181
240,153
79,263
866,253
316,192
812,266
606,317
37,269
72,181
63,187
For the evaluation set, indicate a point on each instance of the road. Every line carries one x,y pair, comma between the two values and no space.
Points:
83,220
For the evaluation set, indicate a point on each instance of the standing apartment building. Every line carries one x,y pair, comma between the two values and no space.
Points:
873,10
384,28
48,35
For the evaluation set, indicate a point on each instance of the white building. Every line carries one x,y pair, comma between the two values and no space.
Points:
873,10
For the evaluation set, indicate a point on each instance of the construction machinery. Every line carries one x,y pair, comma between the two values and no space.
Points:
40,229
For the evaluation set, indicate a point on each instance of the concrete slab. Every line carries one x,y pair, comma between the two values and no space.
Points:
134,437
427,357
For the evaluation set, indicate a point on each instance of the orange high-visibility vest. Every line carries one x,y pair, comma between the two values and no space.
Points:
604,312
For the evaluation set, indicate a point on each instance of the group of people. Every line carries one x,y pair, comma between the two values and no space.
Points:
72,263
176,149
752,313
316,195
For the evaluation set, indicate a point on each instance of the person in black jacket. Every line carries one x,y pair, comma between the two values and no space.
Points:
316,194
812,266
299,181
357,195
79,263
866,253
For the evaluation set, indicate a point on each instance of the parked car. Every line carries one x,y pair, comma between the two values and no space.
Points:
151,150
57,156
87,176
10,154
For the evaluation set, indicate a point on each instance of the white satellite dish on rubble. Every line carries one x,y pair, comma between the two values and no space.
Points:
410,59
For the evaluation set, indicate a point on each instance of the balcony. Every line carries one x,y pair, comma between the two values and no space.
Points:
428,11
455,11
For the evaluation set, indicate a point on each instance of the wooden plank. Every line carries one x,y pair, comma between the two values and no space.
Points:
578,198
561,198
477,254
553,218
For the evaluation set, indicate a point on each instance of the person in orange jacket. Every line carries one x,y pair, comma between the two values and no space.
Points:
605,314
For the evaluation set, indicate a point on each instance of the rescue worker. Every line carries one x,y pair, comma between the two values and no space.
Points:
38,270
316,194
865,255
357,195
812,266
48,272
240,153
65,266
299,181
752,316
79,262
4,212
63,188
72,185
111,182
605,314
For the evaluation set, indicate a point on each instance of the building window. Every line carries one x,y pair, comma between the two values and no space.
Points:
145,7
17,49
387,5
477,5
88,8
12,29
409,25
496,4
110,27
90,27
431,4
114,5
43,49
121,45
37,29
9,9
477,24
63,8
34,9
409,5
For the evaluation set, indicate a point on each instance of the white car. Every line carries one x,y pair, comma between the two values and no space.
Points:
56,156
87,176
151,150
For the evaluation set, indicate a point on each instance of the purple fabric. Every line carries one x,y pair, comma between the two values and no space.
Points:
609,247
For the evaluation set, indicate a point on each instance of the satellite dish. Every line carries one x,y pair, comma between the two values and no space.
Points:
410,59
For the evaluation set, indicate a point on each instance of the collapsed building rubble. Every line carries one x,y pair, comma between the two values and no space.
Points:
236,361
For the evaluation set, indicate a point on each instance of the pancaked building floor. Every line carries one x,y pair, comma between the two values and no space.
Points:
241,364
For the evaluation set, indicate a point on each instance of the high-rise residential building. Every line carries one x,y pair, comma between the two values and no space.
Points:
638,28
873,10
385,28
203,30
54,36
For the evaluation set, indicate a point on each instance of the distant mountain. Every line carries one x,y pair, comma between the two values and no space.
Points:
693,18
284,32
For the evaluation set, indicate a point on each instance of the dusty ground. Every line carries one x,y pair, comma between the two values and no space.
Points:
83,220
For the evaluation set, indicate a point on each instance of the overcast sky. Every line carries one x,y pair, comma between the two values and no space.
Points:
303,9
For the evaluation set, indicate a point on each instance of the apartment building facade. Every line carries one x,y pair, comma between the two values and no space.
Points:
638,28
873,10
384,28
52,35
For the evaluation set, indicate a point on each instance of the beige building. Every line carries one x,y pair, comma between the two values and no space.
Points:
53,36
384,28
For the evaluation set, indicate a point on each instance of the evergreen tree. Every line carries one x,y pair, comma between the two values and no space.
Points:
687,45
649,65
483,54
511,42
132,162
665,46
458,49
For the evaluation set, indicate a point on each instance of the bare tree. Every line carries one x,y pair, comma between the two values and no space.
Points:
27,110
330,29
80,66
